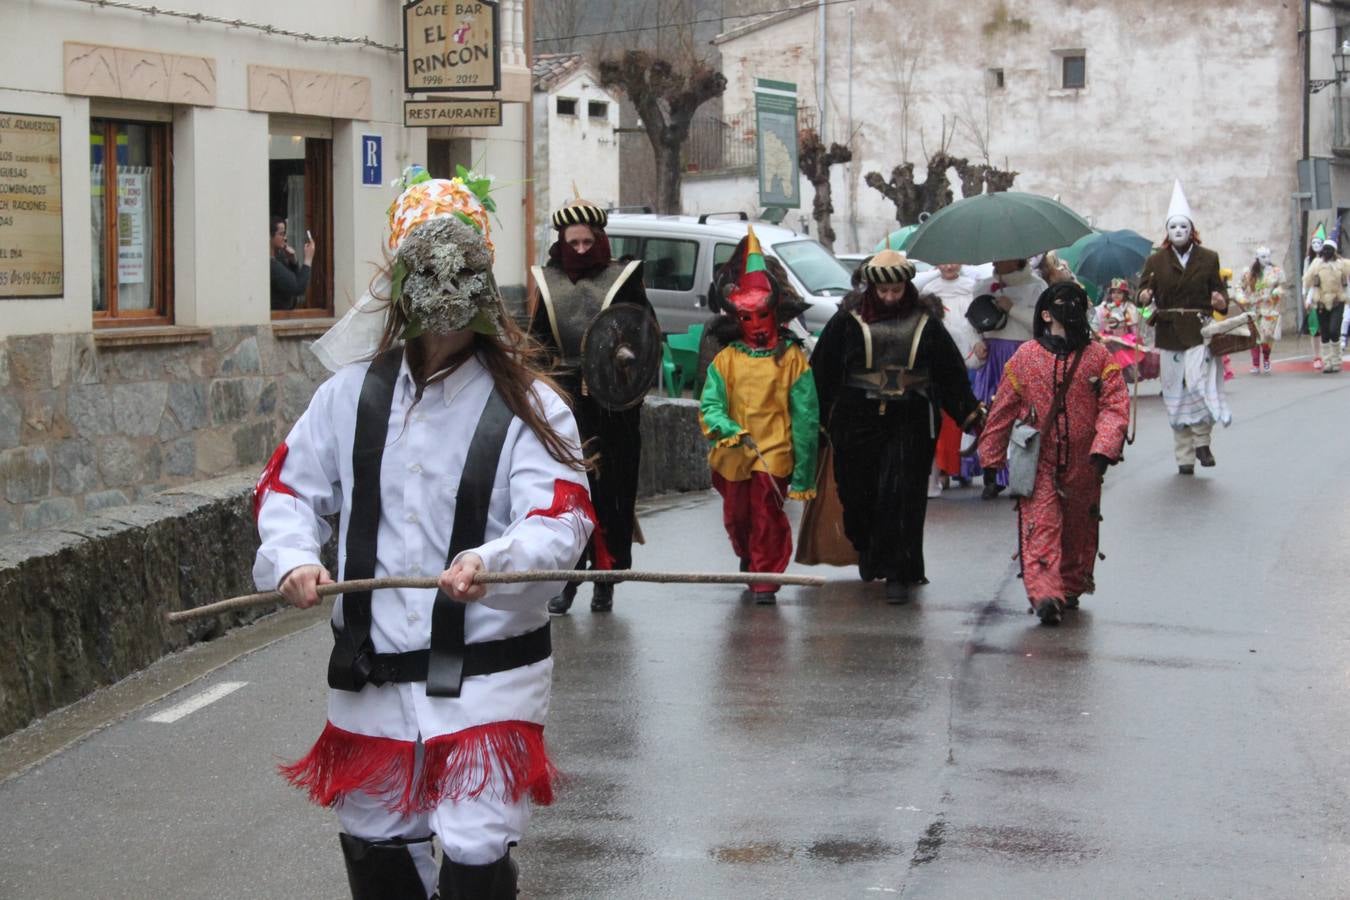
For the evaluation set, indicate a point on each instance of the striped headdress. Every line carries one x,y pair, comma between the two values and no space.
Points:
888,267
579,212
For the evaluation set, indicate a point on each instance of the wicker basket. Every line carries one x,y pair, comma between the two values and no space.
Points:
1235,338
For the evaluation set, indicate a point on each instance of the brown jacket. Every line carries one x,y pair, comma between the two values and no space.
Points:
1175,289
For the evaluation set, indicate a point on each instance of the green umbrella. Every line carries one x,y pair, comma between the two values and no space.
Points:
896,239
1072,253
1003,225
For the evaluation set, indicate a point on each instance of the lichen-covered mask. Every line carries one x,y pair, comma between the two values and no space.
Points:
443,279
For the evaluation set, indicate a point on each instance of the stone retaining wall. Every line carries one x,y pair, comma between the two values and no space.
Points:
86,424
83,601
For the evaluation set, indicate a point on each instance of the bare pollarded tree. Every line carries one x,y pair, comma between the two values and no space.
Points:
815,160
666,93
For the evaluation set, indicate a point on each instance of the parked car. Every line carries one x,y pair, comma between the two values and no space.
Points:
851,261
680,254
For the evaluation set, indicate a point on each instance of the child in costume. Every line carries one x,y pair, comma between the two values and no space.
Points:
1118,325
1263,291
759,411
1072,390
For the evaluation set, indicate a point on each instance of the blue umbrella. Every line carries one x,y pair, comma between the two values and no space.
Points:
1113,254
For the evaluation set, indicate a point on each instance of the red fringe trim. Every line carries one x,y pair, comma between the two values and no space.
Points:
270,479
568,497
455,766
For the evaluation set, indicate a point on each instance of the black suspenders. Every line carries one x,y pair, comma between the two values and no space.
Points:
353,657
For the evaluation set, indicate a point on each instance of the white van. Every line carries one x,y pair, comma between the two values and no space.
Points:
680,253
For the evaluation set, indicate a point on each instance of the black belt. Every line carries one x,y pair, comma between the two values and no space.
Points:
483,658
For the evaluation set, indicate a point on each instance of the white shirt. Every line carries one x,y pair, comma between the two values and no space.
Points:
1023,287
426,447
955,296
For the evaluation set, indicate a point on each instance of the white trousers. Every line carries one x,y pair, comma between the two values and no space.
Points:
473,831
1186,438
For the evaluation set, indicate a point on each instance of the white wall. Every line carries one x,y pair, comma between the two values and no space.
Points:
581,149
1210,95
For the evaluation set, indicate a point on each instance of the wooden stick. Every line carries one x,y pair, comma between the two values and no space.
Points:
599,576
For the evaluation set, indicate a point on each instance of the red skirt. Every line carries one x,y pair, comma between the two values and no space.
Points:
948,454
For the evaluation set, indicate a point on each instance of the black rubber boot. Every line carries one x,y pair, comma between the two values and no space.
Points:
560,604
897,592
494,881
1050,611
602,598
381,870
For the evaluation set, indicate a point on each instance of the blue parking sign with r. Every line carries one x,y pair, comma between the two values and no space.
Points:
372,160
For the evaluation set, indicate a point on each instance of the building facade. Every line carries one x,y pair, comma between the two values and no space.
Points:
574,140
1101,103
143,157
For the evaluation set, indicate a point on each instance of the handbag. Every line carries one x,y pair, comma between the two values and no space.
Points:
984,315
821,539
1024,441
1234,334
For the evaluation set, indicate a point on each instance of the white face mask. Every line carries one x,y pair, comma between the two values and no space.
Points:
1316,245
1179,231
1263,257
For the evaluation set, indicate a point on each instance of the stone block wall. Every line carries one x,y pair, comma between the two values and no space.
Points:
85,426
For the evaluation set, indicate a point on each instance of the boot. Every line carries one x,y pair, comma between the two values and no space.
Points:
1204,456
991,486
1328,357
1049,611
494,881
897,592
381,870
765,598
560,604
602,598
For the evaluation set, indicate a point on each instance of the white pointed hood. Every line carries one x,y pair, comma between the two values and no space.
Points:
1179,206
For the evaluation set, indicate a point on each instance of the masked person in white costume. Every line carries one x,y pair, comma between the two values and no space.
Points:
443,451
1180,290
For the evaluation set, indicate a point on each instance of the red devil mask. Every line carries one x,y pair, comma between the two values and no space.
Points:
759,323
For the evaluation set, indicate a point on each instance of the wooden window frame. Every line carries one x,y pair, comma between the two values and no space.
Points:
318,212
161,197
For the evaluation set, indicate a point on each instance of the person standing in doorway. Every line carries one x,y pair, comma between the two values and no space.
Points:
290,279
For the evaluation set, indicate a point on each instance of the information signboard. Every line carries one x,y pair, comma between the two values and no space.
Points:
776,133
451,47
31,255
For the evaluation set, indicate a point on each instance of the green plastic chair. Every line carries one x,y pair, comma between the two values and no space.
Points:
684,352
670,373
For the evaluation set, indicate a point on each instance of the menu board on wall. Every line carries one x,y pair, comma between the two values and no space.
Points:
131,227
31,261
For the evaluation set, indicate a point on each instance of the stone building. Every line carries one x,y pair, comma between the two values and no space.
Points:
574,139
138,347
1101,103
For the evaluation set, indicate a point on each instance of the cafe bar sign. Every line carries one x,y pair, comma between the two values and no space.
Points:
31,261
451,47
452,113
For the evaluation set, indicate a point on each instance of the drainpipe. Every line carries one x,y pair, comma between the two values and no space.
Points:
853,165
820,71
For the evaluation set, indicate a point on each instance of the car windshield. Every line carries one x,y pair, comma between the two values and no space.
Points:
819,272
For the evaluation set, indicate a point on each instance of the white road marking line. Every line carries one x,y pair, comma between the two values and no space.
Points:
191,705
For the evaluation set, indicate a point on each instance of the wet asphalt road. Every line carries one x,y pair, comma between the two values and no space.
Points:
1184,735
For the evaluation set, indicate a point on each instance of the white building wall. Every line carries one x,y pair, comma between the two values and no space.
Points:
221,151
582,149
1208,95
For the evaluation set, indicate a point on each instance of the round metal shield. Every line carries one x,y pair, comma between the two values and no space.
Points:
621,356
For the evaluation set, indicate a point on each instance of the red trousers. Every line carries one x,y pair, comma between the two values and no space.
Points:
759,529
1059,533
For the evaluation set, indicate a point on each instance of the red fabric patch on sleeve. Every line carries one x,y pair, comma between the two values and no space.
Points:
570,497
270,480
